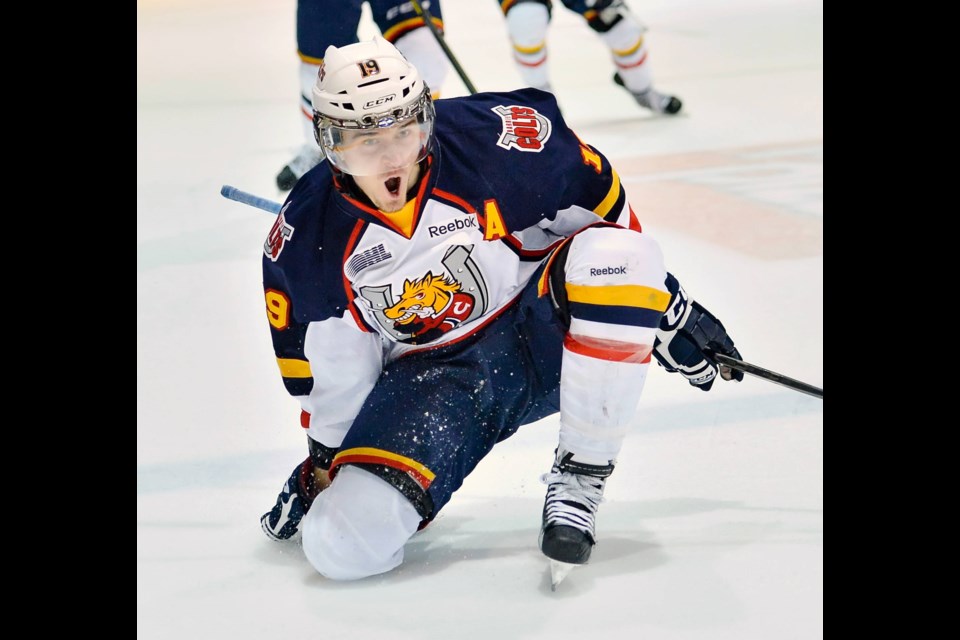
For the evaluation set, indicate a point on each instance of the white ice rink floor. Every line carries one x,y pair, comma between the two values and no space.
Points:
713,524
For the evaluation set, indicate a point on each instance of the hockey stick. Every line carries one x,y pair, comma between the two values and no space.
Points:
766,374
248,198
428,19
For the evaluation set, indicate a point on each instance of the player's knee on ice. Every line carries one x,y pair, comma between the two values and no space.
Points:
358,526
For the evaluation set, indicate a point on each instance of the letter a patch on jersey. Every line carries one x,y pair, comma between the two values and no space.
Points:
523,128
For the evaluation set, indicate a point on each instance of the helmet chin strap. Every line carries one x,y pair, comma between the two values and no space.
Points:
348,186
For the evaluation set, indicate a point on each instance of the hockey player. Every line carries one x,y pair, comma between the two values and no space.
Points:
321,23
452,272
527,22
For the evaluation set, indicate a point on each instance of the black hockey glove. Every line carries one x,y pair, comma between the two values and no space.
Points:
688,337
282,522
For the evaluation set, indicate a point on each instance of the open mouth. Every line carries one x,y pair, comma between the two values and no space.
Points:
392,185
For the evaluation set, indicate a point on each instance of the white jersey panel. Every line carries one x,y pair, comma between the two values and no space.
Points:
442,283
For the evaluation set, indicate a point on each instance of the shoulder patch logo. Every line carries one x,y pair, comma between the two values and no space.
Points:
279,234
524,128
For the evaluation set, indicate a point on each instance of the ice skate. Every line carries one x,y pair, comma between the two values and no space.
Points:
574,491
652,99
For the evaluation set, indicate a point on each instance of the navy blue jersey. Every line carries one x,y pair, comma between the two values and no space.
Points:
347,291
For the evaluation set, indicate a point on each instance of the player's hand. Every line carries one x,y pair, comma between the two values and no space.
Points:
688,337
282,522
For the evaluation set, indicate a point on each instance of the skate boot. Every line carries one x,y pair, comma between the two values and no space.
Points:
652,99
309,157
283,521
574,491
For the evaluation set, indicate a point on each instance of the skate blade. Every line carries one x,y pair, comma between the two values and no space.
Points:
559,571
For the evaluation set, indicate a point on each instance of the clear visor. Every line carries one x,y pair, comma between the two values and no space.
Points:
383,148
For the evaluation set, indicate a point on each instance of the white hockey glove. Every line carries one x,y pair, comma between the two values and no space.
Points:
688,337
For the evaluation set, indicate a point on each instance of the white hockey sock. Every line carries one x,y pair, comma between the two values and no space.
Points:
423,51
616,296
628,48
308,77
527,27
598,400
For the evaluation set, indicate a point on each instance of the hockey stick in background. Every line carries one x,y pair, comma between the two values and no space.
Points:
428,19
233,193
766,374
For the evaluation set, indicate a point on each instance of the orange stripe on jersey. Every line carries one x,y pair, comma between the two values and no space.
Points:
351,244
634,221
612,350
371,455
457,200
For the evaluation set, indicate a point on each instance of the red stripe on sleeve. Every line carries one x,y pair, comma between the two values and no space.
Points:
612,350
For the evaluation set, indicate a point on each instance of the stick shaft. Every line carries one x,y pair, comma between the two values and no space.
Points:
766,374
248,198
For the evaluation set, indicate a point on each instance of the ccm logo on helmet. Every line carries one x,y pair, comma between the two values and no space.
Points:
380,101
523,128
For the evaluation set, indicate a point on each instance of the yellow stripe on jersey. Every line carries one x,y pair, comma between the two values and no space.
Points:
621,295
393,32
309,59
290,368
382,454
611,198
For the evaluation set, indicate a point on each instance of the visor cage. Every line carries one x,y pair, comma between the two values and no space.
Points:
378,143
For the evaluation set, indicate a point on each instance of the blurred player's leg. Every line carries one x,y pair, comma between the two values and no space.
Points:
527,22
421,48
624,36
320,23
403,27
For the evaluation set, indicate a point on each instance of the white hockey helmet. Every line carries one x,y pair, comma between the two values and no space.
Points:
370,87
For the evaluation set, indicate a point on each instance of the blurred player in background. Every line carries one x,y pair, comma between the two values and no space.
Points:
527,22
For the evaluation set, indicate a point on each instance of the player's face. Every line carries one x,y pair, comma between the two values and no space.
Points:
384,162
